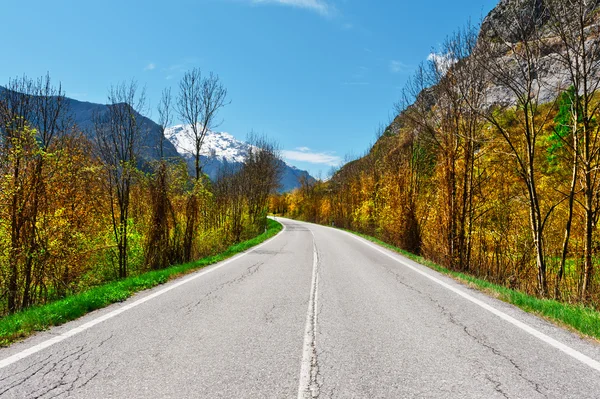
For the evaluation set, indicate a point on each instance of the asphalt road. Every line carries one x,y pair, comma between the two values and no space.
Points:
314,312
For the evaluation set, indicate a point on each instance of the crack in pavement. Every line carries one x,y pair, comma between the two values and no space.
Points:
251,270
497,386
480,341
536,386
401,281
24,370
269,315
76,365
63,372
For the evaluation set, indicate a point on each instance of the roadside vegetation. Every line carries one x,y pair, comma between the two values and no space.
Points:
489,170
24,323
81,207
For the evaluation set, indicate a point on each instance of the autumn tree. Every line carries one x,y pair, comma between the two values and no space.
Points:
433,106
463,85
231,199
199,101
17,140
261,173
575,24
119,134
51,121
32,117
160,249
512,54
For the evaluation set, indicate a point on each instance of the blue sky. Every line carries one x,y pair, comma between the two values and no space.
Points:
317,76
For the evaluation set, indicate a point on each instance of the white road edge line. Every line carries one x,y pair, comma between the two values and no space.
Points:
525,327
74,331
307,383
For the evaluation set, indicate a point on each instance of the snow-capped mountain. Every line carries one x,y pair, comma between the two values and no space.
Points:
219,145
220,148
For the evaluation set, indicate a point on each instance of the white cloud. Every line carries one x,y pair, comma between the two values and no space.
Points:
318,6
443,62
150,67
303,154
397,66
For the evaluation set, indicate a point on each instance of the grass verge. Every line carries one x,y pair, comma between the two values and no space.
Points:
23,324
578,318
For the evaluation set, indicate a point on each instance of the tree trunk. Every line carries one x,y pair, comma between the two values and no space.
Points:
188,237
15,242
565,246
32,232
588,266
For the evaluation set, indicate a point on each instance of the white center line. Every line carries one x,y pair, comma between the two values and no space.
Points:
525,327
74,331
308,387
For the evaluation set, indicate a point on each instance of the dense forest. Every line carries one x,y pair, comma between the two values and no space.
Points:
80,207
492,165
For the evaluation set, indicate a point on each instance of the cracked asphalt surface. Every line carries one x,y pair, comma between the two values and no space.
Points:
379,330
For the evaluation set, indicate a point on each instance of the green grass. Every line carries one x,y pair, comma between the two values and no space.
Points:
579,318
22,324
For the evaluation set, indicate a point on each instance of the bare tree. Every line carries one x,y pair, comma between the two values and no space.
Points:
231,199
119,134
165,114
189,106
200,99
261,172
437,115
161,250
414,153
464,84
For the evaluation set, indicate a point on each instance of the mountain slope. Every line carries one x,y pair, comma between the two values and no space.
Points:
83,114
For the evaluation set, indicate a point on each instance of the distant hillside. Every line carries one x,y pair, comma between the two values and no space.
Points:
219,148
83,115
